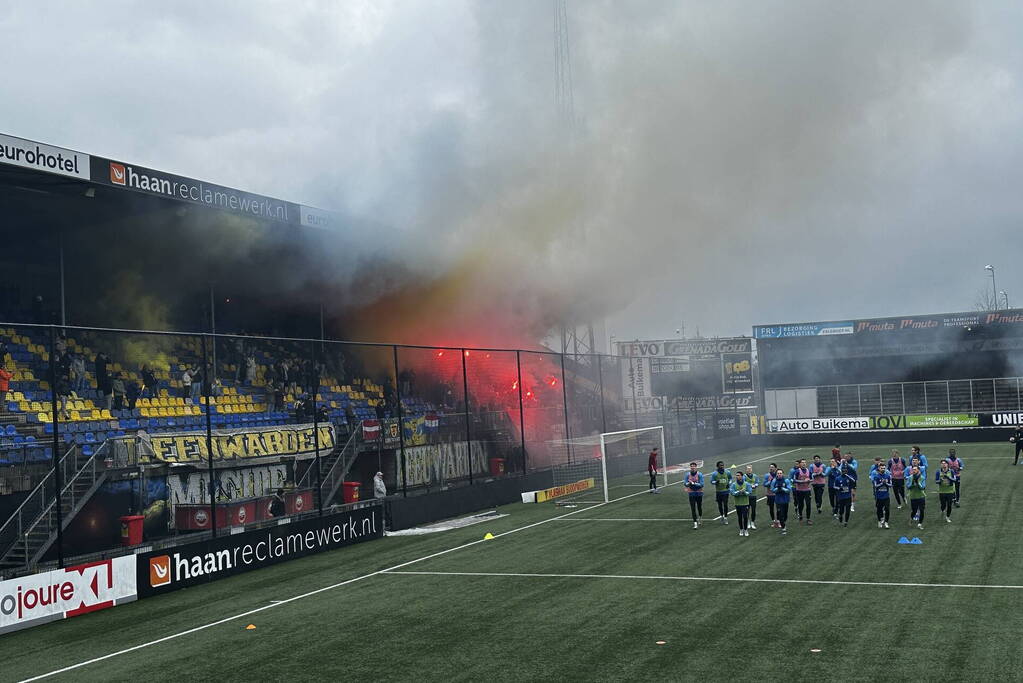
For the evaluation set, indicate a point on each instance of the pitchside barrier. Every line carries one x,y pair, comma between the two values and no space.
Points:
63,593
926,421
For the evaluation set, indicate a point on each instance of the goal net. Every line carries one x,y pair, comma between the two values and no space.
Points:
613,460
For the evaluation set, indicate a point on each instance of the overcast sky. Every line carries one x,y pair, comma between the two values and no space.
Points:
730,163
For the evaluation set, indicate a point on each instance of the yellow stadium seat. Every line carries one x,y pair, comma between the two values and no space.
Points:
44,417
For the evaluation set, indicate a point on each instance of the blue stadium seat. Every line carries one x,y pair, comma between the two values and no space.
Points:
90,437
9,430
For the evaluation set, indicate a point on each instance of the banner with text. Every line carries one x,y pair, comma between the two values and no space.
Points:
181,566
434,464
875,423
299,440
65,593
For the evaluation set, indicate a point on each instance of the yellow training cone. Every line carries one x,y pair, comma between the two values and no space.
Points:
488,536
734,467
250,627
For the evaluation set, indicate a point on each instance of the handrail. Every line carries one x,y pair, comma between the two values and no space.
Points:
69,485
39,486
341,453
328,480
308,473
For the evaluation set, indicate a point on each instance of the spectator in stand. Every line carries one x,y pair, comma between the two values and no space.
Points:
148,382
131,393
63,363
5,385
350,418
198,377
278,397
78,379
63,392
239,357
119,392
379,488
3,350
103,383
250,370
186,383
277,507
269,397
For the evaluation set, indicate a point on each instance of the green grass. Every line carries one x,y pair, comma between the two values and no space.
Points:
500,627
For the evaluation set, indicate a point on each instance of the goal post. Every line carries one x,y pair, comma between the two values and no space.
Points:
617,459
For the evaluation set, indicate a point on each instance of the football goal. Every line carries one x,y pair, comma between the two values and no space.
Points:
607,460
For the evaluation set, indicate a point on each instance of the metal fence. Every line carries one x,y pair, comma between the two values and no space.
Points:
188,433
896,398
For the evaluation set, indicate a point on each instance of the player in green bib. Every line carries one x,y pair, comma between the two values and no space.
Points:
721,479
946,481
916,487
741,492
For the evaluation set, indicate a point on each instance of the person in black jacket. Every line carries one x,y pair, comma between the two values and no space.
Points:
277,507
1017,438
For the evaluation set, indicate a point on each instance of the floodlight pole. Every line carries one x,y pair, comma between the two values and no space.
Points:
401,427
316,428
57,479
210,376
994,288
522,418
564,399
209,437
63,306
468,428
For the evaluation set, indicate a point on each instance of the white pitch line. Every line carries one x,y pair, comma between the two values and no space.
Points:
709,578
630,519
257,610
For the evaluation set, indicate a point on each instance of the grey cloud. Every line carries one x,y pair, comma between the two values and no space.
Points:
732,163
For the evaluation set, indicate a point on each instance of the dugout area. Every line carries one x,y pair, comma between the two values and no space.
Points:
588,593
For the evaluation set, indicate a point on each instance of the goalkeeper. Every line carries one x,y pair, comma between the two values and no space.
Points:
721,478
694,487
651,468
1017,438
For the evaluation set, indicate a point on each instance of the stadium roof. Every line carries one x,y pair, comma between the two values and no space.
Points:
65,166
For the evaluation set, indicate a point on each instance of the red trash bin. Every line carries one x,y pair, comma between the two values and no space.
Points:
497,466
131,529
350,491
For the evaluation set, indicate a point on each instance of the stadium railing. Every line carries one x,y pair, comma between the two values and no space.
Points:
186,434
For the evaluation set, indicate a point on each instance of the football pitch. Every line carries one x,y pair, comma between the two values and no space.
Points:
622,591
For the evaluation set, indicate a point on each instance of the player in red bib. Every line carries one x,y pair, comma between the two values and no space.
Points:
955,463
818,474
897,466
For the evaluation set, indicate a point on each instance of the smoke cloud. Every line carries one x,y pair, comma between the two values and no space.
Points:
728,163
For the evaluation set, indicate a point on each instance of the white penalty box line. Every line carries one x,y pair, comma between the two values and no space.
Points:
736,579
280,603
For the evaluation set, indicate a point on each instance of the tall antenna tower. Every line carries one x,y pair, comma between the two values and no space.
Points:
576,338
